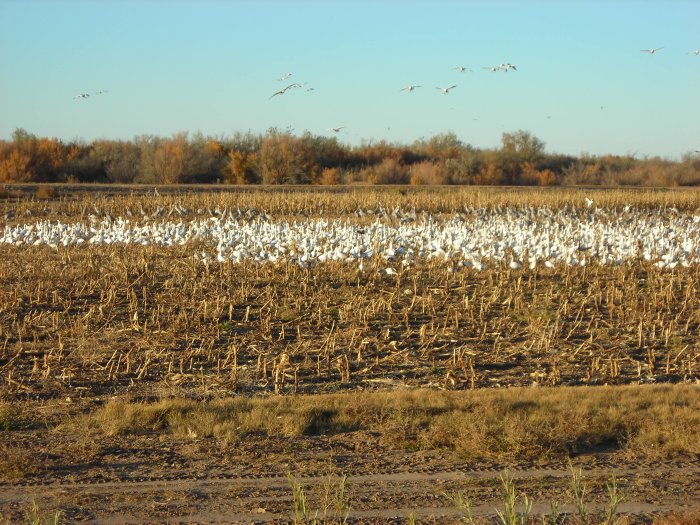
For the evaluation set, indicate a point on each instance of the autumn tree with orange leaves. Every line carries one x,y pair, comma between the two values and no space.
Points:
277,157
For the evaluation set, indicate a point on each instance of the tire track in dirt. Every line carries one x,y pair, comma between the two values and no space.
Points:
379,496
463,472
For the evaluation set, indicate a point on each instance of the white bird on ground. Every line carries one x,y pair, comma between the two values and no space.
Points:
445,90
652,50
462,69
514,265
410,87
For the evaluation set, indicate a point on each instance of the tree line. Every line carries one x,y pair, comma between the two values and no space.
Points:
278,157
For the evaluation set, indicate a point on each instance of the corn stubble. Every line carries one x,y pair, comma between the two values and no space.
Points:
101,318
161,332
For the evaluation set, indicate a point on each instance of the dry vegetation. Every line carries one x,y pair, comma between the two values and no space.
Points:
103,318
278,157
494,425
186,349
70,203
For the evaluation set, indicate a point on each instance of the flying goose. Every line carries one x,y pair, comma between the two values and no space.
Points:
446,90
284,90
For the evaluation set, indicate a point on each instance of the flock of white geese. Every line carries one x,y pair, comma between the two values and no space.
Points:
473,237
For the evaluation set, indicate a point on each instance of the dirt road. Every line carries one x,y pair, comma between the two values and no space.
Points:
388,491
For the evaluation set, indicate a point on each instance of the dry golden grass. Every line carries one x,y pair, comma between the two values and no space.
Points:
652,421
328,201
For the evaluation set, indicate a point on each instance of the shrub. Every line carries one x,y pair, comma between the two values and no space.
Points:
429,173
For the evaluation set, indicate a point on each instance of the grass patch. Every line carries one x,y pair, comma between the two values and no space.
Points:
12,419
641,421
45,193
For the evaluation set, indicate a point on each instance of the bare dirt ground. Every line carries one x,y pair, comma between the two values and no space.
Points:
159,479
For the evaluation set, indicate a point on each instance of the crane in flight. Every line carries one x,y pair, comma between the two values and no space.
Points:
410,88
652,50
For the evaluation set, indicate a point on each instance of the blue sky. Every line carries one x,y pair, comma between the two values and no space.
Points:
211,66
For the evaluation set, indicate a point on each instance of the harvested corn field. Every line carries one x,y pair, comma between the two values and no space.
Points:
310,326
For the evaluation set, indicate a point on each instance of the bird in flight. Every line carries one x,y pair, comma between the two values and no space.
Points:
336,130
492,69
652,50
410,87
284,90
101,92
284,77
695,52
505,67
462,69
82,95
445,90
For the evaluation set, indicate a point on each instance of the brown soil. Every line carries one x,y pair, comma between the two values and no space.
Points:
155,478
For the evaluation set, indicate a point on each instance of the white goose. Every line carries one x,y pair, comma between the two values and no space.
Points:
446,90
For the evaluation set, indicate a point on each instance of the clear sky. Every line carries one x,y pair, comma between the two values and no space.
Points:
581,85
